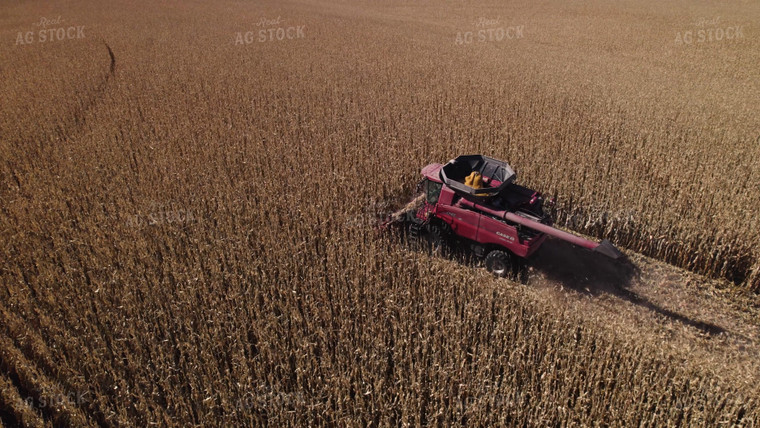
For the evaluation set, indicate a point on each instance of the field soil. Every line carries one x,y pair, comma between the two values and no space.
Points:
711,326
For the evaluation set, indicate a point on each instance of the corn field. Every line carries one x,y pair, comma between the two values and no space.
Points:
176,194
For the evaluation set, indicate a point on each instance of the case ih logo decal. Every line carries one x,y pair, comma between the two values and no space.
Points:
511,238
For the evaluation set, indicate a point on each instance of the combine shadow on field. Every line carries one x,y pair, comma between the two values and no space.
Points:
594,274
579,270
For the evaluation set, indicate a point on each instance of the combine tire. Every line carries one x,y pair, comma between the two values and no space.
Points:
500,263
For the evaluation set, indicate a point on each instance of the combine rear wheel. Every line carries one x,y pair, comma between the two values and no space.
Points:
501,264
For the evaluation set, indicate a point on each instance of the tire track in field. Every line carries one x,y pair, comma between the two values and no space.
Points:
14,410
80,113
36,389
28,375
32,355
39,379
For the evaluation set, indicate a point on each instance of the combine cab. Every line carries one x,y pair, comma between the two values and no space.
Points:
472,202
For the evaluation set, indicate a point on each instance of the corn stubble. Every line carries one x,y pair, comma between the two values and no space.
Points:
262,307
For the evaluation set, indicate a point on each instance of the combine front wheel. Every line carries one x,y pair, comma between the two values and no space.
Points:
436,238
500,263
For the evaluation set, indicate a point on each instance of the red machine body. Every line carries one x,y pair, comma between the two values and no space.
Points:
501,216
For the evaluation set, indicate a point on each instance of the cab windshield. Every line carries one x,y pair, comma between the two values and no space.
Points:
432,191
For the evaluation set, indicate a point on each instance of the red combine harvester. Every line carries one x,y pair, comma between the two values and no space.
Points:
472,203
